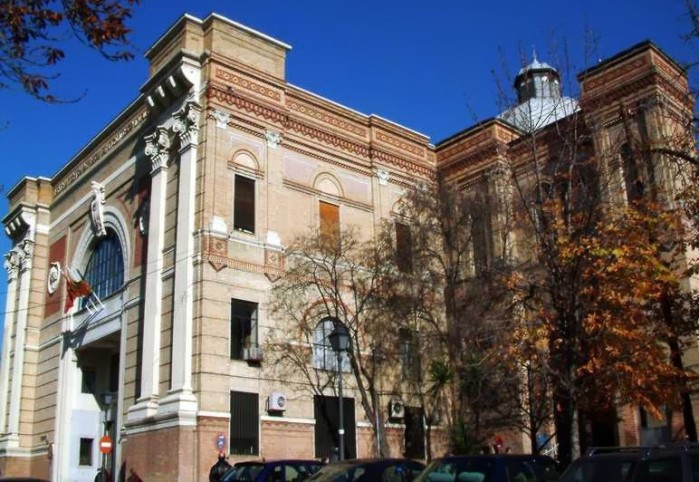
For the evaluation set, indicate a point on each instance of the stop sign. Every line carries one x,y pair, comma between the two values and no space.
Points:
106,444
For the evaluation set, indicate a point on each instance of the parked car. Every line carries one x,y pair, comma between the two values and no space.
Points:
292,470
665,463
369,470
491,468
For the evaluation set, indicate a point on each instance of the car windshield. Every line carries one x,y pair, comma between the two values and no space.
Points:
475,469
339,472
598,469
246,472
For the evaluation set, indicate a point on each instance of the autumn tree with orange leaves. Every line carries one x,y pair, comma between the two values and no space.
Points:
31,32
602,299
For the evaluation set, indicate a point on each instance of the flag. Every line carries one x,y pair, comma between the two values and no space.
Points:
75,288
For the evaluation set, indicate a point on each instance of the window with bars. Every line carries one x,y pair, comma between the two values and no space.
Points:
244,204
105,269
244,429
410,355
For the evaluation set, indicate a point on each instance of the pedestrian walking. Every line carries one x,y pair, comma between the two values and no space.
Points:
219,468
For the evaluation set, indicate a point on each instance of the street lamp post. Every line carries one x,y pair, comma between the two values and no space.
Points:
107,399
339,340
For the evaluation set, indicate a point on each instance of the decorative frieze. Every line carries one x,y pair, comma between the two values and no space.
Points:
102,151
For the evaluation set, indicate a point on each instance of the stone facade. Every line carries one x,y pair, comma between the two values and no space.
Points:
159,181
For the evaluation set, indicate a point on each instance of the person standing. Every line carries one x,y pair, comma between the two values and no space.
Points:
219,468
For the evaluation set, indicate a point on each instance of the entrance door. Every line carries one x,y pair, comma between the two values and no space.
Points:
327,415
414,433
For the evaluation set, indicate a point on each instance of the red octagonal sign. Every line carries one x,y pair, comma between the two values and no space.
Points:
106,444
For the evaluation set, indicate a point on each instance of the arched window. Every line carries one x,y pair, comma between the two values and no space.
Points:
324,357
105,269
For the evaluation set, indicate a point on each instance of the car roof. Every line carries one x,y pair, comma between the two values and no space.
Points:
278,461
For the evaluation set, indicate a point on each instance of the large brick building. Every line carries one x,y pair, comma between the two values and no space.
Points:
177,214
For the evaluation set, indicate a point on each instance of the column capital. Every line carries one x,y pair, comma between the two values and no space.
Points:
186,124
158,148
12,263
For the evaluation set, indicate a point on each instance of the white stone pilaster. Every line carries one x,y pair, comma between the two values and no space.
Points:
12,267
26,253
180,399
157,149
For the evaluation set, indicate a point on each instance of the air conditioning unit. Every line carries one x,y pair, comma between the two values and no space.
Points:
252,353
396,409
276,402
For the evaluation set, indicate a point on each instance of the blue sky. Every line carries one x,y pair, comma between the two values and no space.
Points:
430,66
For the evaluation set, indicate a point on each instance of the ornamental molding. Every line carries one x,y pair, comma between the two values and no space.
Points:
186,124
158,148
25,252
97,209
322,116
248,84
232,98
273,138
400,144
222,118
12,263
54,277
102,150
614,75
383,176
403,164
328,138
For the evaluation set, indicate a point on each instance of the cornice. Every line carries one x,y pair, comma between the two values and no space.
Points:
100,147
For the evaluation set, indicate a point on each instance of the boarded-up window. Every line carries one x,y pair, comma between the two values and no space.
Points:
244,204
329,224
404,257
244,435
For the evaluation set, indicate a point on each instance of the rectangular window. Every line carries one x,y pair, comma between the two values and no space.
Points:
244,343
404,256
409,355
244,430
89,379
85,456
329,224
244,204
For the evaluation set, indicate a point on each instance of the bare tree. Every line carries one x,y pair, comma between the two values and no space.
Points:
336,280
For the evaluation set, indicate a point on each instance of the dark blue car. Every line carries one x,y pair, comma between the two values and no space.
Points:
369,470
272,471
491,468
